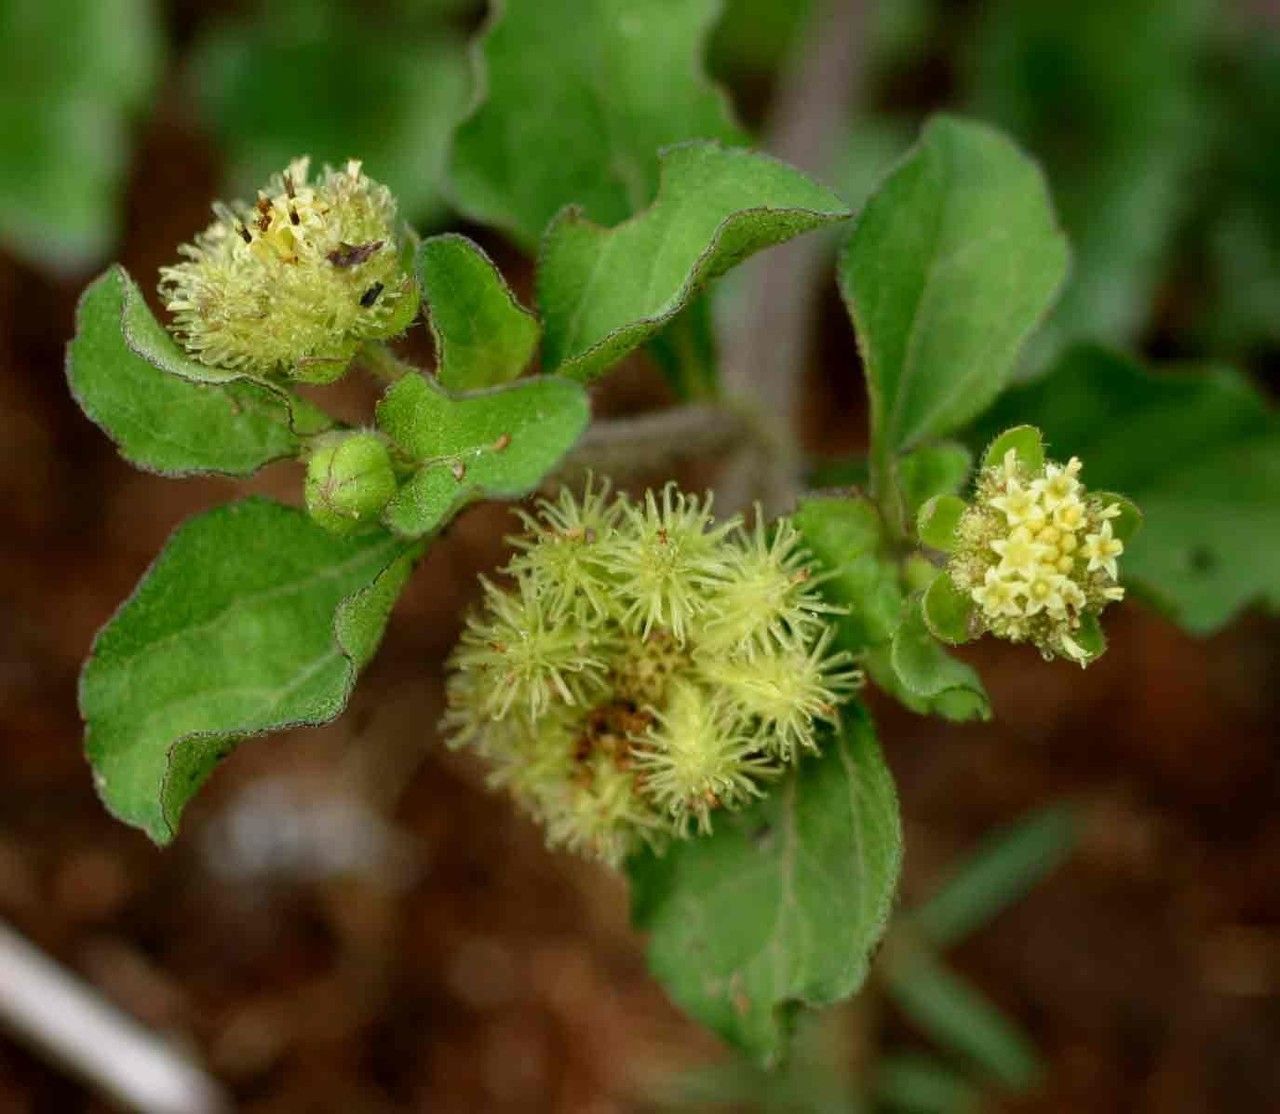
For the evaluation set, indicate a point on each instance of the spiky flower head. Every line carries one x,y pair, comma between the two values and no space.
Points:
1034,557
291,285
644,667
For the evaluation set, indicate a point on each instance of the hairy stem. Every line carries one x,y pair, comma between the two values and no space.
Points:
379,361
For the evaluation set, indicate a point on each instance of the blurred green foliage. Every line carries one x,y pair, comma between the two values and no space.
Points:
1105,93
327,79
73,76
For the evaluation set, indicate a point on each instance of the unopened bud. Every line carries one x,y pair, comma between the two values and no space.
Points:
349,480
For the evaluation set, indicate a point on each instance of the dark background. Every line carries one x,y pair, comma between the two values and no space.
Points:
351,922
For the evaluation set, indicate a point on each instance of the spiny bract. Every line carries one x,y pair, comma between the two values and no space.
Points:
644,667
293,283
1037,554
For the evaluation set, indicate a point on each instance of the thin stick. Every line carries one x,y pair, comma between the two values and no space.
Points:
71,1023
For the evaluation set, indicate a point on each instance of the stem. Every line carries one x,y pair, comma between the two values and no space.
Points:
380,362
765,354
646,442
886,490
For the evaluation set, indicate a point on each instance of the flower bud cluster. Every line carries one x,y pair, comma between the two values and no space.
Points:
1037,554
291,285
643,667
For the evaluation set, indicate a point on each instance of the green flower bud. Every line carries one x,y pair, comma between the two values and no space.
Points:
349,480
644,668
292,285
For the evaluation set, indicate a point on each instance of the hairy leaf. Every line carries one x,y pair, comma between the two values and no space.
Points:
1026,443
165,412
252,619
932,471
949,267
495,444
576,98
922,668
938,520
845,537
483,336
72,75
947,611
782,905
1198,452
605,290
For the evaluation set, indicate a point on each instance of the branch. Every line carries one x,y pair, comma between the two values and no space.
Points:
628,445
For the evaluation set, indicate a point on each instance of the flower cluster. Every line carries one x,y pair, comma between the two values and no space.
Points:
292,284
1037,554
643,667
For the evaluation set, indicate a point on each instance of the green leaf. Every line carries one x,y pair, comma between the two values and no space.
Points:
948,268
938,520
576,99
495,444
336,85
958,1017
933,470
166,413
920,666
253,619
846,539
73,74
484,337
1027,443
1198,451
1091,638
605,290
782,905
947,611
1008,865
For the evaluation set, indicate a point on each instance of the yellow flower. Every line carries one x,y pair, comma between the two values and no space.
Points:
1102,549
1019,505
997,595
1059,483
1069,514
1019,552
